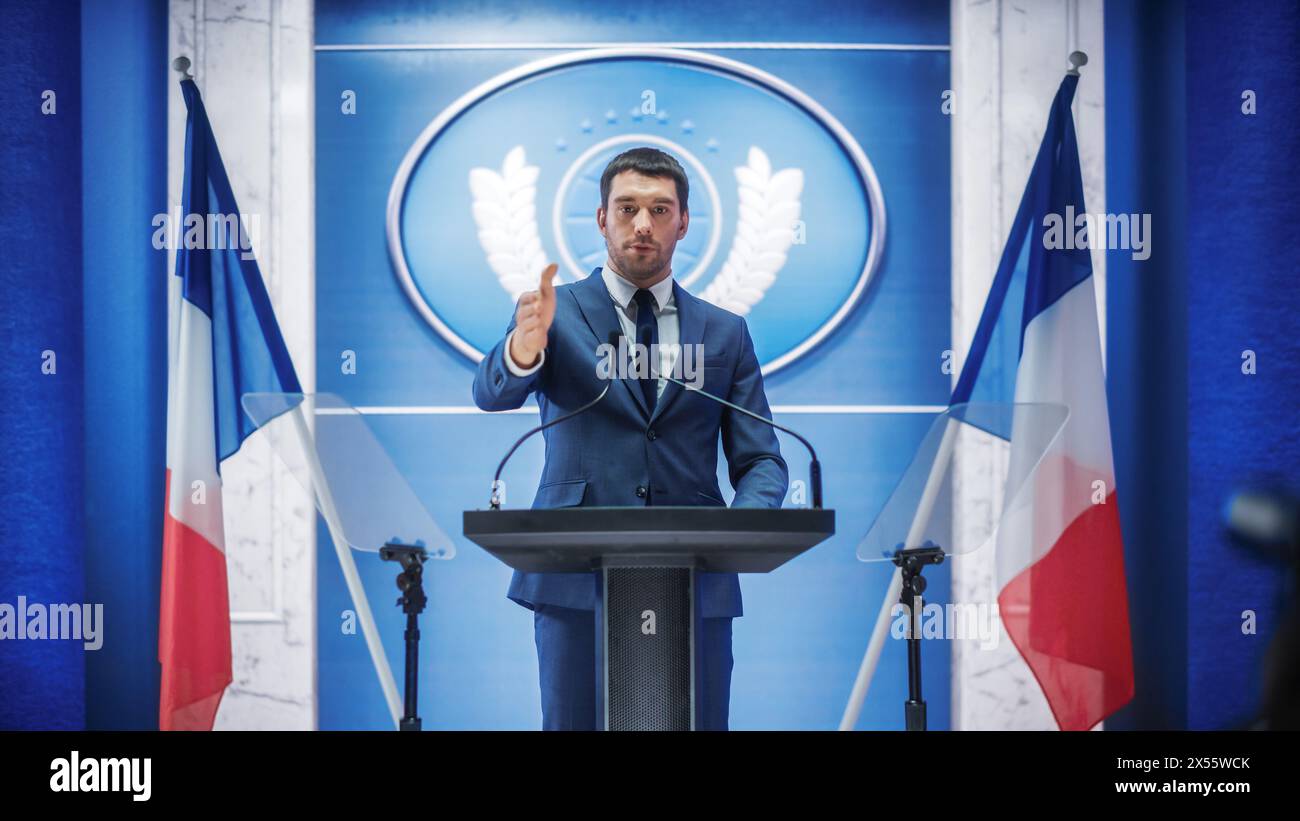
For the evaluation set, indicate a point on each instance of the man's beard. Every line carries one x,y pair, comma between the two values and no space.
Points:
636,266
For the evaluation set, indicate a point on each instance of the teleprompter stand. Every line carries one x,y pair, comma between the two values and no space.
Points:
364,499
411,582
919,515
912,563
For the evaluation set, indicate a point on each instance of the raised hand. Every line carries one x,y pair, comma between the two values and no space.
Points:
533,321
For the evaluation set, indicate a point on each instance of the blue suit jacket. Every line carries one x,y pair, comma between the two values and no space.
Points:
601,457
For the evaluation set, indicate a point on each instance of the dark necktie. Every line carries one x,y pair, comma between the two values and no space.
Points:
647,328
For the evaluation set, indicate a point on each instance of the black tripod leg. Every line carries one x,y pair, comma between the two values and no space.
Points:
911,563
411,721
914,707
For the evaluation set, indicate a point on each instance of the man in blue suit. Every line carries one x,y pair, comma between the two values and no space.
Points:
644,443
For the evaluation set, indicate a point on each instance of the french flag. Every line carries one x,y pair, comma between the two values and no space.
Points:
223,342
1060,558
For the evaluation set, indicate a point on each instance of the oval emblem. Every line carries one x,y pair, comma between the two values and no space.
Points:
787,216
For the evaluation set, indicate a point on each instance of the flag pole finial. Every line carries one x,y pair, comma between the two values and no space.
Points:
182,64
1077,61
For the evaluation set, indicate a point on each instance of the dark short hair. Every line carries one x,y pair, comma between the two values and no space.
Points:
649,162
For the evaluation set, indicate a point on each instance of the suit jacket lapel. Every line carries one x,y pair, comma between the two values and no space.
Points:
598,310
691,320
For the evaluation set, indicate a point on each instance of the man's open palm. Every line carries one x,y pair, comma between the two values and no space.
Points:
533,320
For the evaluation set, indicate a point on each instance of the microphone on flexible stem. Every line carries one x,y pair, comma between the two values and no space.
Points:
814,467
614,336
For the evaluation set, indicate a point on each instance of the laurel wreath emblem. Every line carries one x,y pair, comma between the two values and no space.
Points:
505,212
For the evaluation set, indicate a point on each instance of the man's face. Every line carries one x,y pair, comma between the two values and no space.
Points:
642,225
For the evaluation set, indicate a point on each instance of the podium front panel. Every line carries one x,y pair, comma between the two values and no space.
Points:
649,648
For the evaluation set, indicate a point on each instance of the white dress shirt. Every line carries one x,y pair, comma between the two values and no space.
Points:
622,293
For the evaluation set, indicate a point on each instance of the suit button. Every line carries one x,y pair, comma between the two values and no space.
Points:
651,435
640,491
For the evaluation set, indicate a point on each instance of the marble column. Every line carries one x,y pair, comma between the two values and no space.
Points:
1008,58
253,63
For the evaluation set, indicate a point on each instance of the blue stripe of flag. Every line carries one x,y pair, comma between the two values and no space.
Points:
1030,278
248,350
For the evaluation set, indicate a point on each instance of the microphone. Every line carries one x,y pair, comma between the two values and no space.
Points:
614,336
1265,520
814,468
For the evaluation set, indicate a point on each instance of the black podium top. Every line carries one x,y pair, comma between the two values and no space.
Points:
713,539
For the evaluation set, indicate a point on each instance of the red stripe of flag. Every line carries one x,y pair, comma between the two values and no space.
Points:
194,627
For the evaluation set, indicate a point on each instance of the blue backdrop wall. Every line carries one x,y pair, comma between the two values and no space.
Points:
1190,426
805,627
125,306
42,683
1146,323
83,444
1242,296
